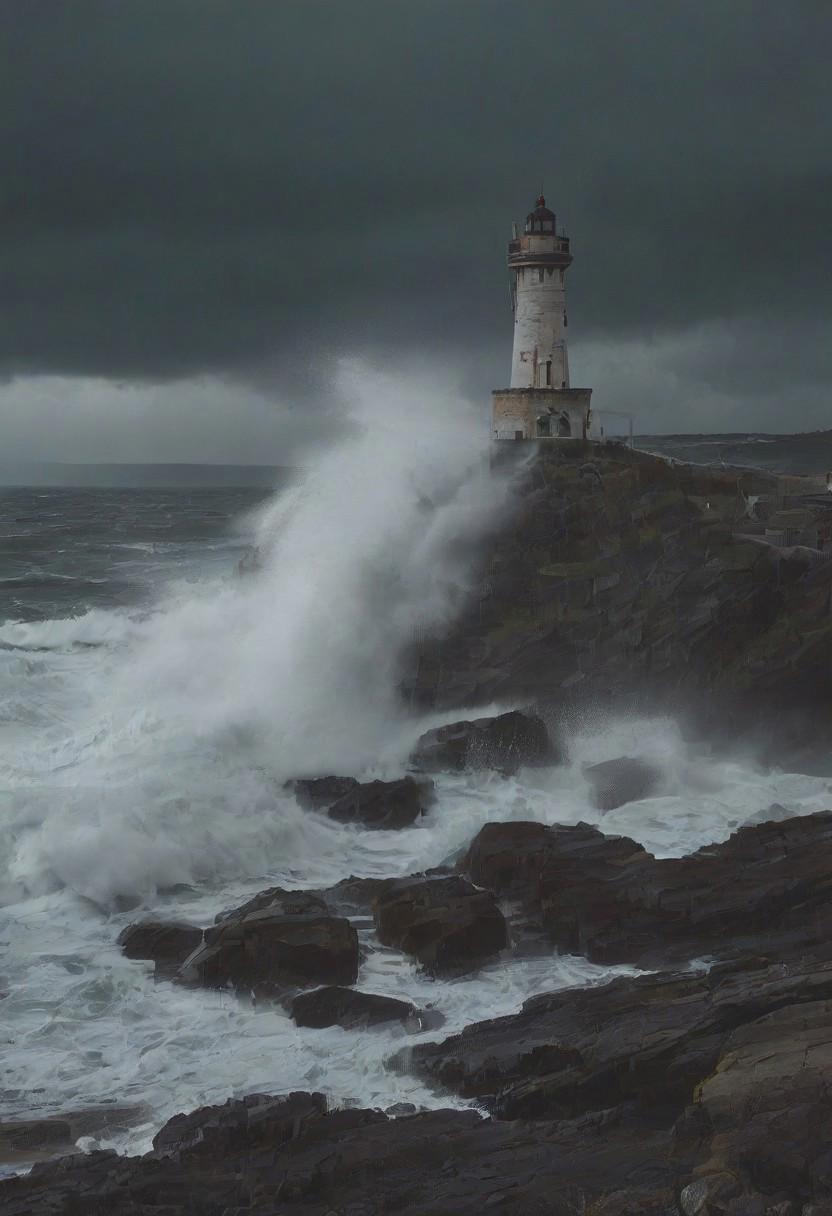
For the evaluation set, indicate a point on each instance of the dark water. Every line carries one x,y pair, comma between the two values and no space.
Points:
64,551
809,452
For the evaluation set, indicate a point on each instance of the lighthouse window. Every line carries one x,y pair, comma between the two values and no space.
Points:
548,371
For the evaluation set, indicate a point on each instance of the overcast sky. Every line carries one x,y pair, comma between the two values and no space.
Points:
204,203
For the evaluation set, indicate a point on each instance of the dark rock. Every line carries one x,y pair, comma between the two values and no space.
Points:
246,1122
518,855
286,1156
649,1039
352,894
280,901
446,923
766,890
23,1141
384,804
622,591
166,943
318,793
616,782
270,952
767,1109
506,742
335,1006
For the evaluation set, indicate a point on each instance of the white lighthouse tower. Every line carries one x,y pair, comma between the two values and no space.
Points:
540,404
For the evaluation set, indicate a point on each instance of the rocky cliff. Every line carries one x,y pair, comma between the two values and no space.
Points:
619,574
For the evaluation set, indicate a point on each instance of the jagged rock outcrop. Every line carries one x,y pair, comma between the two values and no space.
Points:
649,1039
767,889
445,923
637,583
506,742
289,1156
764,1114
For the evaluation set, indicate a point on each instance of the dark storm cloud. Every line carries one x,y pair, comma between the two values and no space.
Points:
197,186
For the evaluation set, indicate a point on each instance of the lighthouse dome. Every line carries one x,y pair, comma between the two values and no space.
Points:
541,219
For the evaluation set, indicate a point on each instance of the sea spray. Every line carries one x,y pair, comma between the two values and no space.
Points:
169,768
378,536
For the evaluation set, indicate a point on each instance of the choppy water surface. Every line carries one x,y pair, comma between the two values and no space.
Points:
152,704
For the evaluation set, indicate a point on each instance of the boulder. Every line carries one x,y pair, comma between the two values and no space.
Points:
446,923
337,1006
166,943
286,903
516,857
271,952
616,782
506,742
318,793
384,804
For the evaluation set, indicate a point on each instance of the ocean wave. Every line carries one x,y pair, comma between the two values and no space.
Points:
98,627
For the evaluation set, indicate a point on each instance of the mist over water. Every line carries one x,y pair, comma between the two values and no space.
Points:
378,538
144,749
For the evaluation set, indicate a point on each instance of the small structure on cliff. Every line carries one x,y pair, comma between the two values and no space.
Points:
541,403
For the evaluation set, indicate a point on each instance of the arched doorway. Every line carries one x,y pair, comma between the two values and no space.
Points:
564,426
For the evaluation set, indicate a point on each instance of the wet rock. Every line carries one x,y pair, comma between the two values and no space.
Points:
337,1006
446,923
352,895
384,804
648,1039
166,943
506,743
616,782
246,1122
765,890
519,855
768,1108
279,1156
272,952
23,1141
318,793
281,901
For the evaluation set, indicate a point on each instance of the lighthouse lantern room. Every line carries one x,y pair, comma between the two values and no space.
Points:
540,404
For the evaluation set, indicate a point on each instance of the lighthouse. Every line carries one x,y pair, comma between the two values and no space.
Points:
540,403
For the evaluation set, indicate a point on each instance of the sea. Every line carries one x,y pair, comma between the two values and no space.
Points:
155,698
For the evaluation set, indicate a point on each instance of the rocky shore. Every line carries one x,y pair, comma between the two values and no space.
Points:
621,578
699,1083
